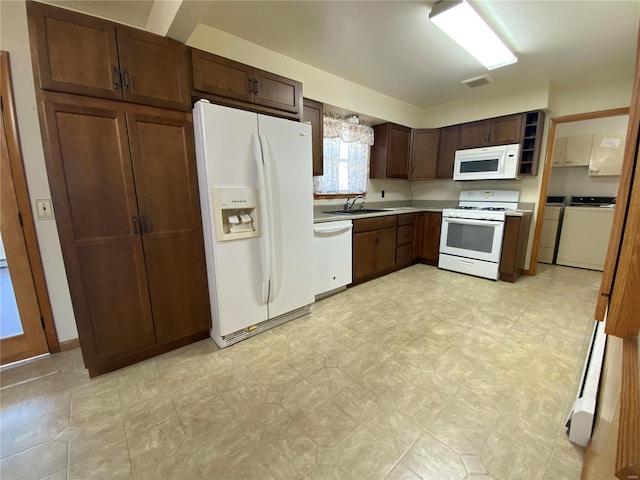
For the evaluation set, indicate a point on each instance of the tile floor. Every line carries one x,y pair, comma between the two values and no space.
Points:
422,374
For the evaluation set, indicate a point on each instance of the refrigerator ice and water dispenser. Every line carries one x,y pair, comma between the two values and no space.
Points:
236,213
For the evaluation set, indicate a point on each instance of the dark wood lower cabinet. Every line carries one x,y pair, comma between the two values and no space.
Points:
124,186
514,247
364,255
374,247
384,244
388,243
386,251
430,246
405,240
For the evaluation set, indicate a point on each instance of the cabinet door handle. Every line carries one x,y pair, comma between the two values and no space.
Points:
377,239
250,85
145,224
127,84
116,78
134,220
257,87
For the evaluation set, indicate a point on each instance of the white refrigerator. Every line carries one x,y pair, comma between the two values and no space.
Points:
255,181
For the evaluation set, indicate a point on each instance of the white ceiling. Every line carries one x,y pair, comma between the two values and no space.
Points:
391,47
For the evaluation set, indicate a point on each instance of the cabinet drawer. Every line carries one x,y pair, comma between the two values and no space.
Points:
376,223
404,255
405,234
407,219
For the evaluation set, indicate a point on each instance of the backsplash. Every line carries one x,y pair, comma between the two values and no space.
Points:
576,181
394,191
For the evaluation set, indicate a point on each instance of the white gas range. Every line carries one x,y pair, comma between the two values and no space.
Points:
471,235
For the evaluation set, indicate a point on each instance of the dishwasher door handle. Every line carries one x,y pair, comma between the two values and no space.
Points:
332,230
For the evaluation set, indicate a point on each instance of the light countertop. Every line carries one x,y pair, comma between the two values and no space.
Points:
396,208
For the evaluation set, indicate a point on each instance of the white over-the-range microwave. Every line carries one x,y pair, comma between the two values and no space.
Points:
488,163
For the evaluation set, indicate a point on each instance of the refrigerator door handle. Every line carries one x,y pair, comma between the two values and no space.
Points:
266,260
273,280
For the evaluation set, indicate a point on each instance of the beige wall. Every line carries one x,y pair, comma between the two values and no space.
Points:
488,103
569,100
14,39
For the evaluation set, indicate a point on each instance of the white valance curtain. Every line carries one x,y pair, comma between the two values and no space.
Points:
346,156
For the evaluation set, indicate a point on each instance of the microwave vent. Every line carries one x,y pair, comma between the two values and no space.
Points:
477,81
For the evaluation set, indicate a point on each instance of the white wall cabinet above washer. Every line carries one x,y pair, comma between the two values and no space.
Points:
572,151
607,154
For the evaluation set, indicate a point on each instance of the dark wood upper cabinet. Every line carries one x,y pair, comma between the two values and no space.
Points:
232,83
74,53
506,130
474,134
390,151
312,114
424,153
447,151
273,91
494,131
154,69
531,142
85,55
221,77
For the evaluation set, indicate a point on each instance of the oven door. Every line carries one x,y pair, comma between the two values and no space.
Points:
478,239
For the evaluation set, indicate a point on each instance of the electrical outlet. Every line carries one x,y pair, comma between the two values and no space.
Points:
43,208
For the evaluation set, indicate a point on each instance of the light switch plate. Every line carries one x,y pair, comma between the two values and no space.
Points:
44,209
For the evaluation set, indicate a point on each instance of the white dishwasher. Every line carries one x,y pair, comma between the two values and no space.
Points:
332,251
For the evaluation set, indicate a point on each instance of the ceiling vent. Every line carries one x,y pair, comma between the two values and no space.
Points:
477,81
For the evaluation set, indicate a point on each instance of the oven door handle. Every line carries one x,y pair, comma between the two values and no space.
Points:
467,221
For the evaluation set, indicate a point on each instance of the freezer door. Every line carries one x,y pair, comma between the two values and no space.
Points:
286,149
225,150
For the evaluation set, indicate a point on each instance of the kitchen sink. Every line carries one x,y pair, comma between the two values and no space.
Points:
355,212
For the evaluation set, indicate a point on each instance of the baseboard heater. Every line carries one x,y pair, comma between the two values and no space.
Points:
582,415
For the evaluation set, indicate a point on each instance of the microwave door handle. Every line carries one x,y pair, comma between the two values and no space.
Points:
466,221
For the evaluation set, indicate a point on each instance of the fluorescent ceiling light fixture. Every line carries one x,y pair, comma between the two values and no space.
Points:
462,23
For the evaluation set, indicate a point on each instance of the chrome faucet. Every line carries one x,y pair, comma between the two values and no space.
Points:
348,207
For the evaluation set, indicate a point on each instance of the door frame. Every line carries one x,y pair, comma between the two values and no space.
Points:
24,202
546,171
